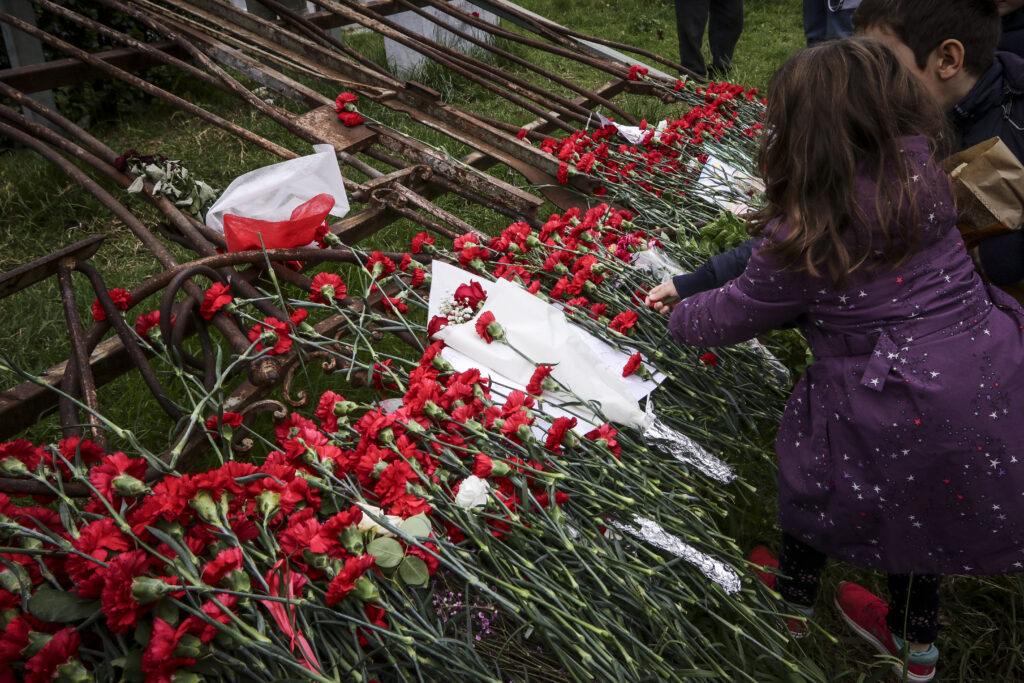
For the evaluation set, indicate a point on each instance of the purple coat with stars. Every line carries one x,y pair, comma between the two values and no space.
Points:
902,446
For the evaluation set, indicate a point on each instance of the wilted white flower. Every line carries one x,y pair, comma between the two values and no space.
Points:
367,524
472,492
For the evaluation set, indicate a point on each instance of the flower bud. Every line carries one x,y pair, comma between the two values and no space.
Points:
146,589
188,646
352,540
315,560
127,485
434,411
439,363
342,408
12,467
366,589
205,507
414,427
386,435
524,433
239,581
267,503
499,468
496,330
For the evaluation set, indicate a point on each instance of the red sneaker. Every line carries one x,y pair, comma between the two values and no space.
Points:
865,613
765,559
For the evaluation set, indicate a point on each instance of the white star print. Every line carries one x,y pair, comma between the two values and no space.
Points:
856,486
994,463
934,374
862,294
994,415
874,382
843,298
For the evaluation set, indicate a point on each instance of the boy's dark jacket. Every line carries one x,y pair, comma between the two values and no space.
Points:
993,107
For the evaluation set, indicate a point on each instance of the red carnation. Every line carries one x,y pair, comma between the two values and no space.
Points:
631,365
635,72
325,287
471,295
422,242
350,118
624,321
60,649
556,434
118,475
606,434
145,323
521,134
217,297
380,265
118,605
710,359
418,277
343,99
345,581
227,561
536,385
122,299
487,328
482,466
158,660
436,324
563,173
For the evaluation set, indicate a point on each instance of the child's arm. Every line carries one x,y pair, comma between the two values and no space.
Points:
716,271
764,297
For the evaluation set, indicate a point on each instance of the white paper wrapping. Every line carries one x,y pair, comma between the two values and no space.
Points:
590,368
272,192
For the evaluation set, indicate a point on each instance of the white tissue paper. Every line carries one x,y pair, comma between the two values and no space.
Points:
587,366
272,192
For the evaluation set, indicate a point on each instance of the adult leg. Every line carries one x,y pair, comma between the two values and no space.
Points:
914,607
691,18
725,24
815,21
838,24
800,568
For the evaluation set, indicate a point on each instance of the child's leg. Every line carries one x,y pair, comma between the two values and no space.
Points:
800,568
914,607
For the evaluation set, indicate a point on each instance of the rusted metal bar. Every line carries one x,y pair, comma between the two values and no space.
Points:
515,59
42,268
564,36
78,381
466,66
127,338
146,87
235,337
63,72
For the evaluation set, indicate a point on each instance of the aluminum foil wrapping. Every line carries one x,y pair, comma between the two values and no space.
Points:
650,531
780,373
685,450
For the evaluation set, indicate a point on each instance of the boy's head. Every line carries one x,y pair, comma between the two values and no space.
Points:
948,44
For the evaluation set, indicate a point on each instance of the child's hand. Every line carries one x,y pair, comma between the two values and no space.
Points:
663,297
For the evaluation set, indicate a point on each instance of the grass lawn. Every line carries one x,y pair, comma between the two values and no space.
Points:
41,210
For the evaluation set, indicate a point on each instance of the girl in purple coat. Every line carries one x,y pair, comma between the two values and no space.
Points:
902,447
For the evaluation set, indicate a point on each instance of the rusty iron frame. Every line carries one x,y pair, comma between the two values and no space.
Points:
211,40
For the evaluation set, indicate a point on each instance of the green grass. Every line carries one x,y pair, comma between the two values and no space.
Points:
41,210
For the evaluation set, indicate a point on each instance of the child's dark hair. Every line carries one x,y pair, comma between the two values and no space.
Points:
836,113
922,25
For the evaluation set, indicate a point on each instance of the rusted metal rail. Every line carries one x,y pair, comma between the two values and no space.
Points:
215,43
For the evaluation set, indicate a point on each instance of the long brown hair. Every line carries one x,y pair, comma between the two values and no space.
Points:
836,113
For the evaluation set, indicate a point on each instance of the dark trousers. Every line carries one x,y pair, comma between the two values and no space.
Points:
821,24
913,602
724,19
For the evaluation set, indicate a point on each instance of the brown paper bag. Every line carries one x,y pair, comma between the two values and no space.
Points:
988,187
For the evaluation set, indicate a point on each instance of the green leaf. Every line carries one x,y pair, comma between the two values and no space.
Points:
388,551
413,571
56,606
417,526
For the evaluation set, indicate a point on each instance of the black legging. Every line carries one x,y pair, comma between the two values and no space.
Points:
913,603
